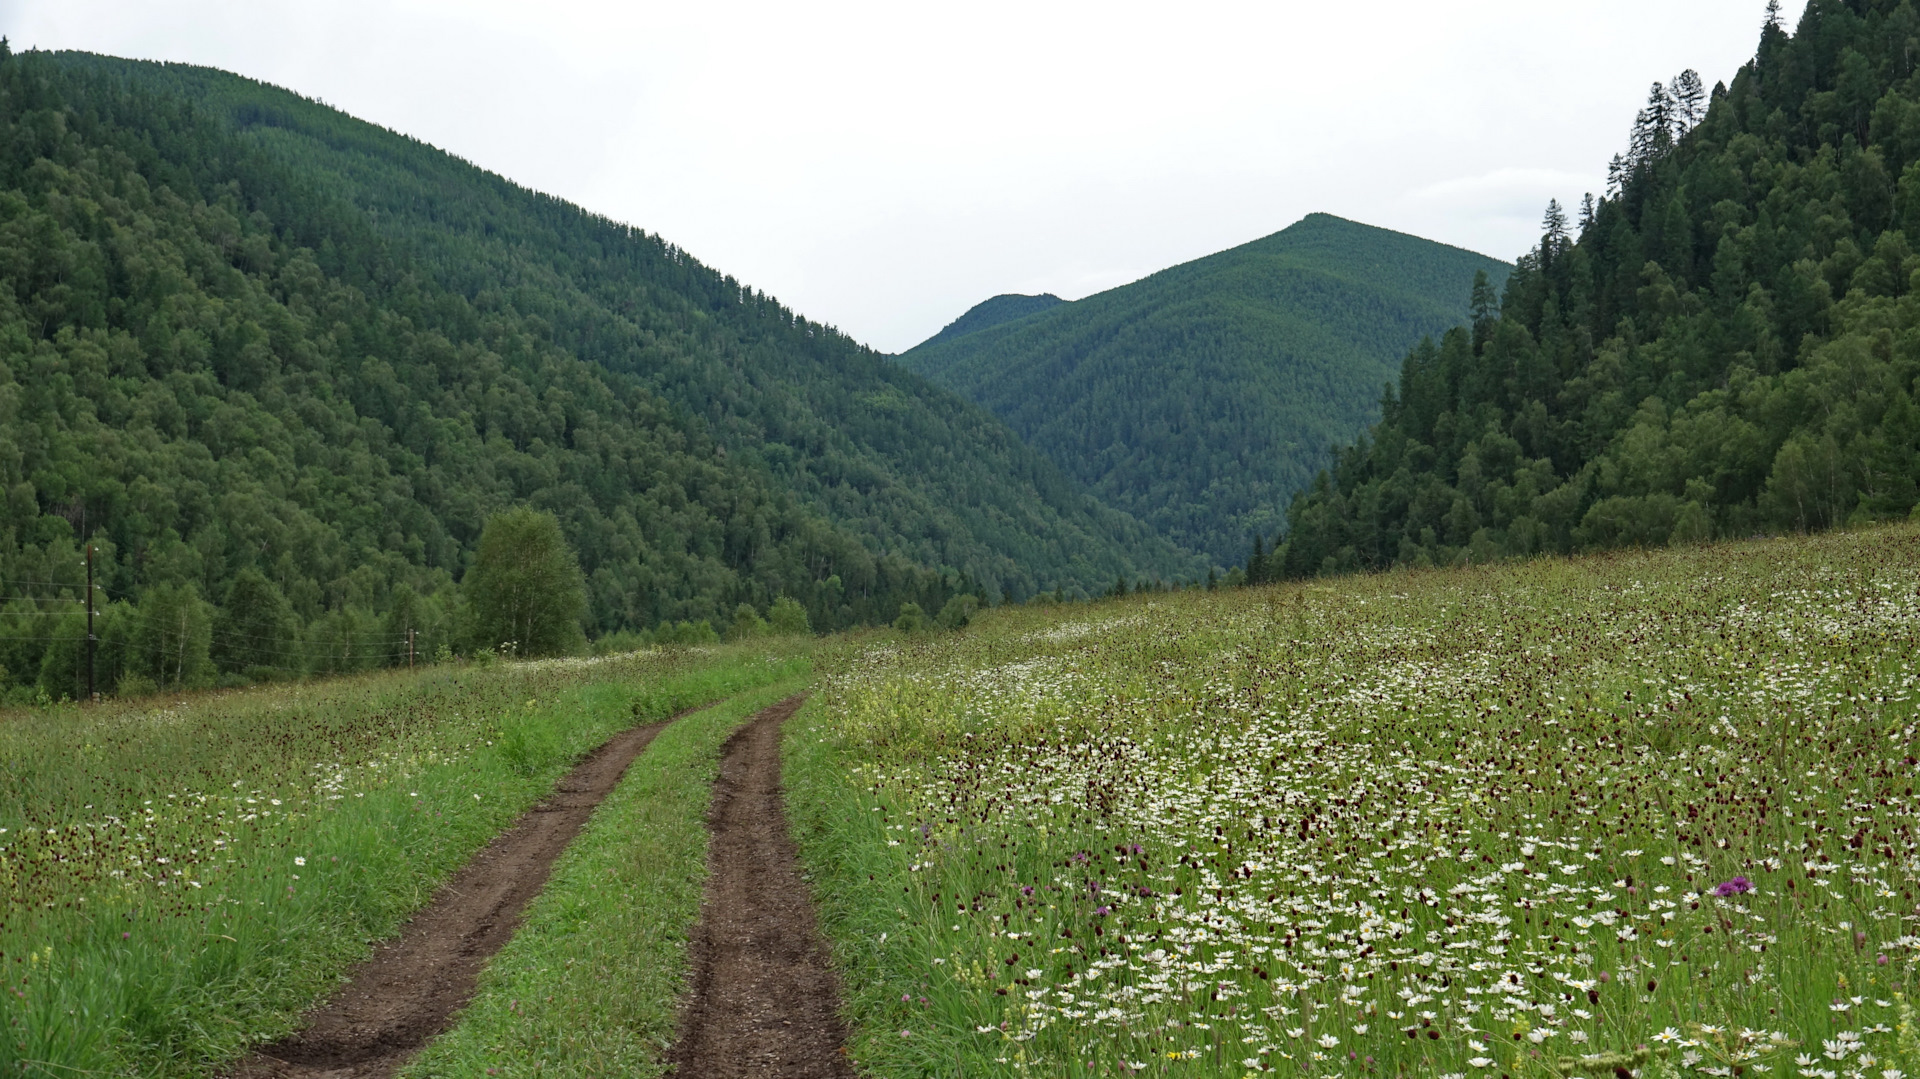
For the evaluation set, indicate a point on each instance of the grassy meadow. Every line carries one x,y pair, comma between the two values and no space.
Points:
180,878
1635,814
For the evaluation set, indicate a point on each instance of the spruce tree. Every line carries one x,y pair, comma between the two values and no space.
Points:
1485,305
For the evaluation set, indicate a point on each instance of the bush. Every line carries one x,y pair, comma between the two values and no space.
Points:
912,619
747,624
958,612
624,641
788,618
685,633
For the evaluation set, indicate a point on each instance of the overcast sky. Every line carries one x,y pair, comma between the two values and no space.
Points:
884,166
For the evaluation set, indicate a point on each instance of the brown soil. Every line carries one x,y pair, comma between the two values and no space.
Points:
407,993
765,1000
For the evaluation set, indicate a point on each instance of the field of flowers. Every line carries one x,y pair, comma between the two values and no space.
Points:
1635,815
180,879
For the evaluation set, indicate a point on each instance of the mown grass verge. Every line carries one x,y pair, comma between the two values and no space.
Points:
590,983
182,883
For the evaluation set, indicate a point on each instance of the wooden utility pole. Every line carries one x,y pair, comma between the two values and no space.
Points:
92,641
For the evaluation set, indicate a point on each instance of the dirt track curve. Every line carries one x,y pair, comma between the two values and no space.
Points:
407,993
765,1001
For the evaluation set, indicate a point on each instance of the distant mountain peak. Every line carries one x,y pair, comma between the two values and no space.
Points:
1004,308
1202,396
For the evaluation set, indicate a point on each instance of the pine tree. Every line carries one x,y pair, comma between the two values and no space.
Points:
1690,100
1554,238
1652,129
1588,213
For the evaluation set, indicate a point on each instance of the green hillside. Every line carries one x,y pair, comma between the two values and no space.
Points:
1200,398
991,313
247,339
1726,344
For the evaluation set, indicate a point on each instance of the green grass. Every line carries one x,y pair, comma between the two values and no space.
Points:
1439,823
590,984
181,882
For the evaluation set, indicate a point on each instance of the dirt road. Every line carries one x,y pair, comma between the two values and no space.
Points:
765,1000
408,992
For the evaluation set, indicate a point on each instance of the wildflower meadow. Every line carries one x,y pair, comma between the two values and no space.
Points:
1629,815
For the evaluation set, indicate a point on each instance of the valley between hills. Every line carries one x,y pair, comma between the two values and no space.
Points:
445,632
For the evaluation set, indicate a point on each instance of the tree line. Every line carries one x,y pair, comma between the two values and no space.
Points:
1723,344
524,596
282,435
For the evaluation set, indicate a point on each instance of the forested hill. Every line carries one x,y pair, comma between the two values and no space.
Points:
1728,344
991,313
242,333
1200,398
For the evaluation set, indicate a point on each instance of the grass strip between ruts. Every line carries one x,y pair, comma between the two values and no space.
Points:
590,985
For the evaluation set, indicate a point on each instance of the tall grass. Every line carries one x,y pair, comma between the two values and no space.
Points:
183,881
1642,814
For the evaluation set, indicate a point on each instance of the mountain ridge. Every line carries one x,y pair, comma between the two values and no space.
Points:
1279,345
779,394
247,339
1006,307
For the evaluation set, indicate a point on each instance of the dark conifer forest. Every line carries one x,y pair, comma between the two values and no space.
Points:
277,367
1199,399
1724,344
990,313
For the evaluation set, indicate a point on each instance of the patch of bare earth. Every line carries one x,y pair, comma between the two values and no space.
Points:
765,1000
409,991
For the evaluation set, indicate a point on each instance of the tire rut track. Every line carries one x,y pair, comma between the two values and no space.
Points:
408,992
765,1000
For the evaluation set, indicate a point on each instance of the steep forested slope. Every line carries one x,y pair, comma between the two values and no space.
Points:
990,313
264,355
1729,346
1200,398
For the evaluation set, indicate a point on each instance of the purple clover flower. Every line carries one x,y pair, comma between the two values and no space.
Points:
1736,886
